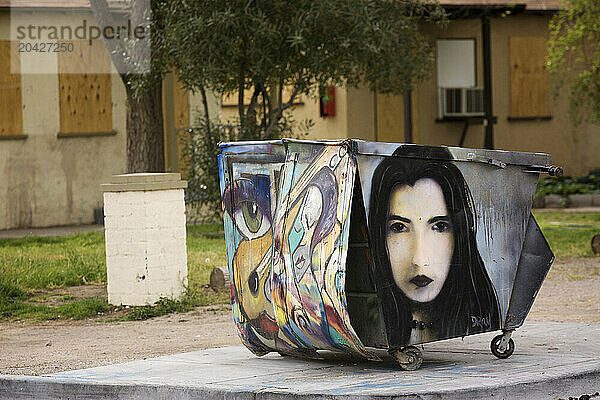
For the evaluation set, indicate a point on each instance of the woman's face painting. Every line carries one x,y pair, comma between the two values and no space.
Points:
419,239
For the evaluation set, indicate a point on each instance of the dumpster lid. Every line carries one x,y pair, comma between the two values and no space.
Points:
499,158
330,142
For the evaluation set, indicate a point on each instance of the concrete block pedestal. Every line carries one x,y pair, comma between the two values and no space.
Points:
144,220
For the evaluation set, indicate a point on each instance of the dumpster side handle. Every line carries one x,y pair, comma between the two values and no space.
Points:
552,170
474,157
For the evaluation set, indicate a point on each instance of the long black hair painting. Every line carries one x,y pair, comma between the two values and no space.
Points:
352,246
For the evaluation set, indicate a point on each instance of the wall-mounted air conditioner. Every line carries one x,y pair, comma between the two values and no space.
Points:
460,102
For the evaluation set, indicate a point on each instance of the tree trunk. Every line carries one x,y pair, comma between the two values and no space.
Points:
145,140
206,114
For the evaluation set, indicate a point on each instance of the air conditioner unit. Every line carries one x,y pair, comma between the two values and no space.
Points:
460,102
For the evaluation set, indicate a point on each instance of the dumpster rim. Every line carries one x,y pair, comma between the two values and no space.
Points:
486,156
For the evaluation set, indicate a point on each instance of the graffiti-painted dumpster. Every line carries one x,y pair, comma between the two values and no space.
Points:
351,245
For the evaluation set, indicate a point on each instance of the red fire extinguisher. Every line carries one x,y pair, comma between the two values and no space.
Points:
327,103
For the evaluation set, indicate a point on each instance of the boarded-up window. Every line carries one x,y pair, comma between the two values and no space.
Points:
11,112
390,118
529,95
85,98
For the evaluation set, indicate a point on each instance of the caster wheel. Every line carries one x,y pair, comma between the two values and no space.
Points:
409,358
506,353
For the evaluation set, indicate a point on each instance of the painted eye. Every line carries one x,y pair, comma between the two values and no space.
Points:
252,216
253,283
251,220
398,227
441,226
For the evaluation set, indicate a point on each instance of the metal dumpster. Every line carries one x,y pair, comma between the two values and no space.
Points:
350,245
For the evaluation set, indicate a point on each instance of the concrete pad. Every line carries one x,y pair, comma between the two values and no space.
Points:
551,360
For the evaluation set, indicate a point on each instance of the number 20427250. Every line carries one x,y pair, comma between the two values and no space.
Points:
46,47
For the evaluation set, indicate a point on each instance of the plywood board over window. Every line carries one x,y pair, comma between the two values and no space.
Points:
85,94
390,118
11,112
529,97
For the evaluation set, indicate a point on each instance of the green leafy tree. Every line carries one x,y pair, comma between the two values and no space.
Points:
260,48
271,52
574,57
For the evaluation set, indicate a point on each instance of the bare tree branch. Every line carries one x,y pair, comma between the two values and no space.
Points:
278,112
241,84
267,116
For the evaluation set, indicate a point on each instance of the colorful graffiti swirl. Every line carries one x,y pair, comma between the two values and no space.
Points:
289,222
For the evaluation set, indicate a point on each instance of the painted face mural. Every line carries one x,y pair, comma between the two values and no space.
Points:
431,279
419,239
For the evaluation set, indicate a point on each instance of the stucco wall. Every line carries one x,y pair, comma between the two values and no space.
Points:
574,149
197,107
361,114
48,181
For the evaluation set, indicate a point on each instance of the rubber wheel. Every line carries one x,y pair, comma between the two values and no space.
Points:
415,356
496,343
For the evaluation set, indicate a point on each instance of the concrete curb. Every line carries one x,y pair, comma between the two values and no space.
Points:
42,388
552,361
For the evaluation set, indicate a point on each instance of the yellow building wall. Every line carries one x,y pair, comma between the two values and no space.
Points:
362,114
574,149
48,180
425,104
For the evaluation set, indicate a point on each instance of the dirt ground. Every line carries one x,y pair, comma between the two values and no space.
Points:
571,293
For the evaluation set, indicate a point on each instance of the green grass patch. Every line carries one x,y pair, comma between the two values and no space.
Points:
50,262
45,297
31,264
569,233
10,292
76,310
204,229
551,218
